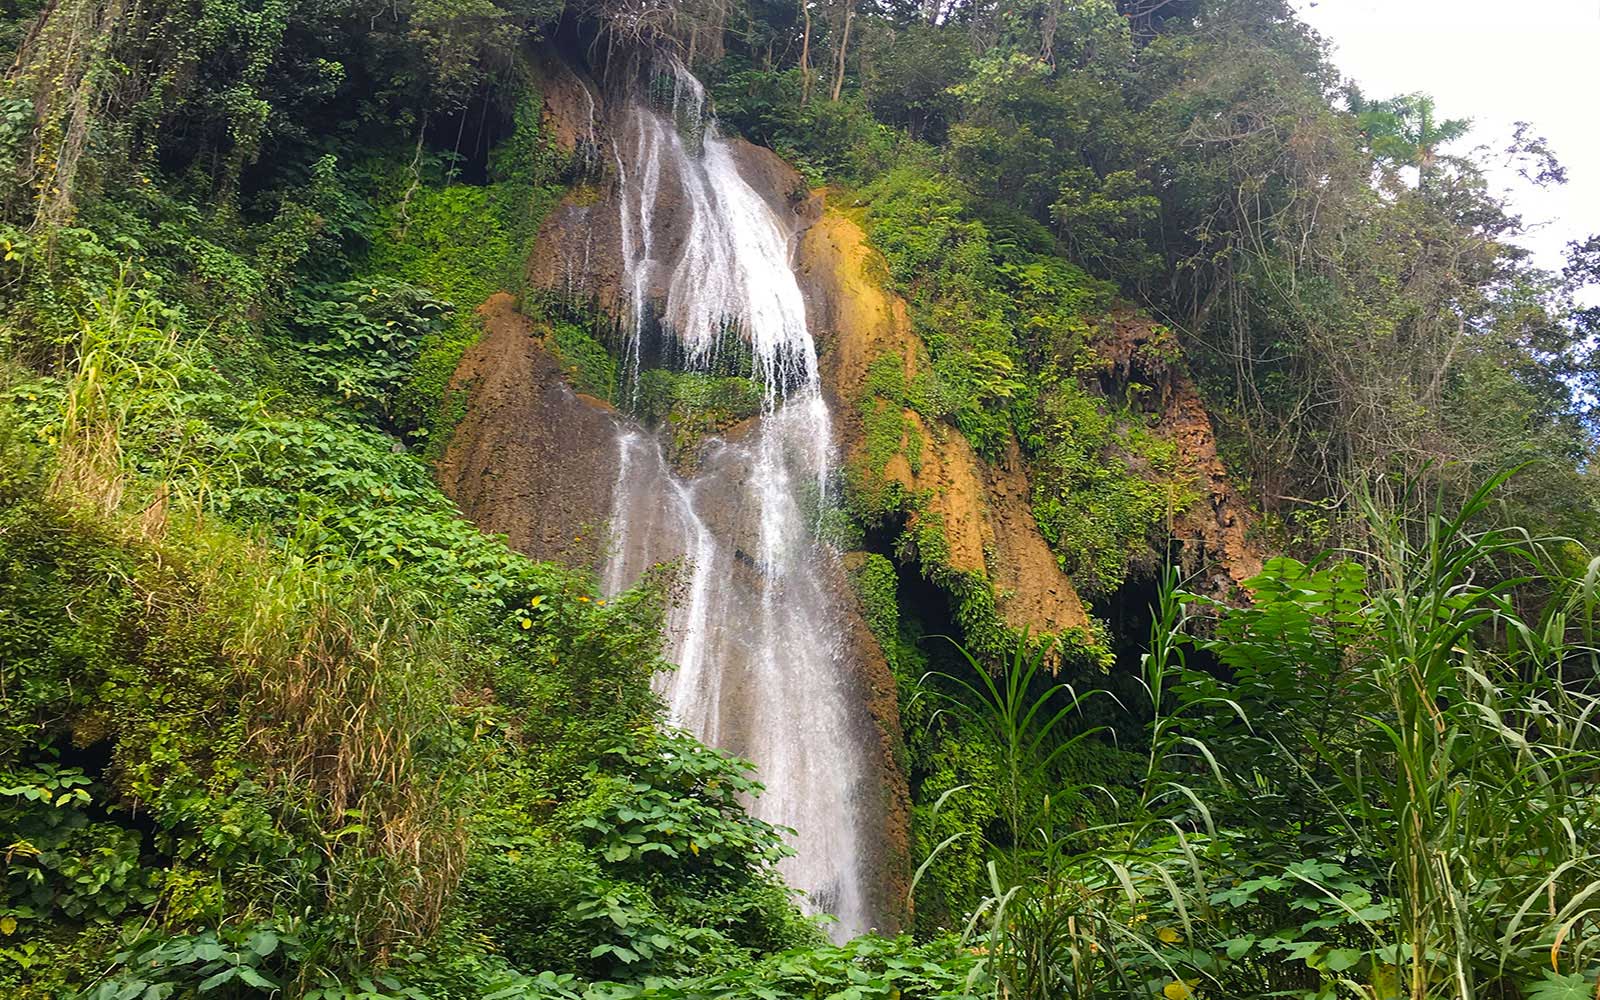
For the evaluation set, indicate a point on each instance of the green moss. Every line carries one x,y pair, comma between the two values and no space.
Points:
588,366
884,428
695,405
913,448
887,433
876,584
1105,486
987,296
886,378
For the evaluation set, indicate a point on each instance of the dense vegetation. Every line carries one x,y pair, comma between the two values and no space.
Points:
275,720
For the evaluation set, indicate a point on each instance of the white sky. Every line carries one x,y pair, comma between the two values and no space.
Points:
1496,62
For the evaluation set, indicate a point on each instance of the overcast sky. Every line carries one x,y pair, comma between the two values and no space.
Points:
1496,62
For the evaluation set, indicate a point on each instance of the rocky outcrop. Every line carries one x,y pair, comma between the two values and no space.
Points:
1030,589
570,107
1214,528
578,254
984,510
530,459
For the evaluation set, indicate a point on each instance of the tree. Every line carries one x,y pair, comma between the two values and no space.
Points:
1405,131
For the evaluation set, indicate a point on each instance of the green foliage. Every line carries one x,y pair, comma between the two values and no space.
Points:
992,308
62,865
825,140
1292,687
1362,794
678,813
869,968
958,805
1105,221
462,243
343,490
203,961
1024,724
589,366
942,260
232,93
1100,516
259,700
360,338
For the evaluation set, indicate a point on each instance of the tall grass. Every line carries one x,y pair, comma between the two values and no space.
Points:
342,684
1476,780
347,687
130,366
1458,817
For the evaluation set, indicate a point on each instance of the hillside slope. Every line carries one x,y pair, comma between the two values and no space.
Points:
1127,491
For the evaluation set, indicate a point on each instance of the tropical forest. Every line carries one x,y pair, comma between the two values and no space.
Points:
783,500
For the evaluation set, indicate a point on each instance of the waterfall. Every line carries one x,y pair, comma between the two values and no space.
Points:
762,670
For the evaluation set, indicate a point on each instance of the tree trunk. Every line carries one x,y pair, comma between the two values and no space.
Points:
805,55
1047,33
844,45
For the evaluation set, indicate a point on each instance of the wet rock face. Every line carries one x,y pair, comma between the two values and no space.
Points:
530,459
570,106
541,464
577,255
579,252
985,509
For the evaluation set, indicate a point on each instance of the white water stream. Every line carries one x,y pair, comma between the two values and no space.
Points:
762,670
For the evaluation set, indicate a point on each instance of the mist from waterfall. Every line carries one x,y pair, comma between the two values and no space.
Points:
763,670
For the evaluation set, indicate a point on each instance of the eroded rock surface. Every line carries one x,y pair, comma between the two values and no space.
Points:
985,510
540,464
579,251
1215,528
530,459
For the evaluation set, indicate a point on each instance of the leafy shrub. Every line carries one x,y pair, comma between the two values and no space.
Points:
61,864
678,813
825,140
360,338
1099,515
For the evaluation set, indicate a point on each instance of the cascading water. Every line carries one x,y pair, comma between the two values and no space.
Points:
762,670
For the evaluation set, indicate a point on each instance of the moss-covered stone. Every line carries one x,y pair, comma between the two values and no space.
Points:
692,406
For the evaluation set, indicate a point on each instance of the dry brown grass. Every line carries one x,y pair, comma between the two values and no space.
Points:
128,369
343,680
